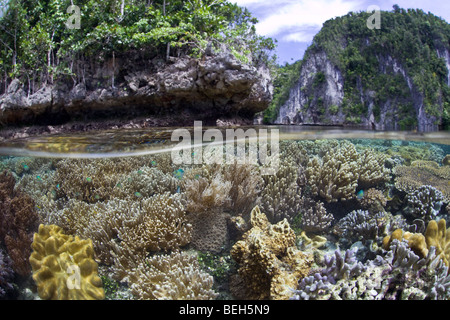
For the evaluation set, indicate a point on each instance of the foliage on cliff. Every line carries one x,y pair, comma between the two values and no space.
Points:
415,40
44,40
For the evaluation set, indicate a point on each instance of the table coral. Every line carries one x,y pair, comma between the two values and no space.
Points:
18,221
63,266
269,262
410,178
176,276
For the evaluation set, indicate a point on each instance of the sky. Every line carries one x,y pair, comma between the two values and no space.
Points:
295,22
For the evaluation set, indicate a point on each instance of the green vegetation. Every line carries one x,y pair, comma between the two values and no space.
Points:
38,47
410,37
284,79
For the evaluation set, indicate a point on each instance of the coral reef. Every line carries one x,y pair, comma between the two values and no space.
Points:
436,235
18,221
6,274
410,178
373,200
269,263
424,203
64,267
334,176
362,225
209,230
124,231
337,174
281,197
315,218
176,276
399,275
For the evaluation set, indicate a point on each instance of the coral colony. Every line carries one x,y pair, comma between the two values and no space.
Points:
338,219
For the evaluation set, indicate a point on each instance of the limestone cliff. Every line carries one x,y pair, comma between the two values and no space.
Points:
184,89
395,77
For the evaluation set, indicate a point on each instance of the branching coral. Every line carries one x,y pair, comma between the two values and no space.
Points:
315,217
93,180
361,225
424,203
399,275
18,221
281,197
176,276
124,229
64,267
270,264
336,175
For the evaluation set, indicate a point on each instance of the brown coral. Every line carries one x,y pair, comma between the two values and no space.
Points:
63,266
270,264
176,276
335,176
18,221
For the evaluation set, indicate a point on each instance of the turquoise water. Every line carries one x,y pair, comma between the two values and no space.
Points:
308,213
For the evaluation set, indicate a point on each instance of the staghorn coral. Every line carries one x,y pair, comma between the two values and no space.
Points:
424,203
281,196
18,221
176,276
269,263
64,267
315,218
362,225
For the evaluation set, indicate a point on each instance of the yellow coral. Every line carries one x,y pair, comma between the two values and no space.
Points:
63,266
270,263
436,235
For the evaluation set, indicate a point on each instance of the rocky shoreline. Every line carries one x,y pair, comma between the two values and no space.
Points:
217,89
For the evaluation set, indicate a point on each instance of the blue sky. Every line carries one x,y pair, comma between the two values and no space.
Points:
295,22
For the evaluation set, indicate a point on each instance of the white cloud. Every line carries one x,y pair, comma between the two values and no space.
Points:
296,20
